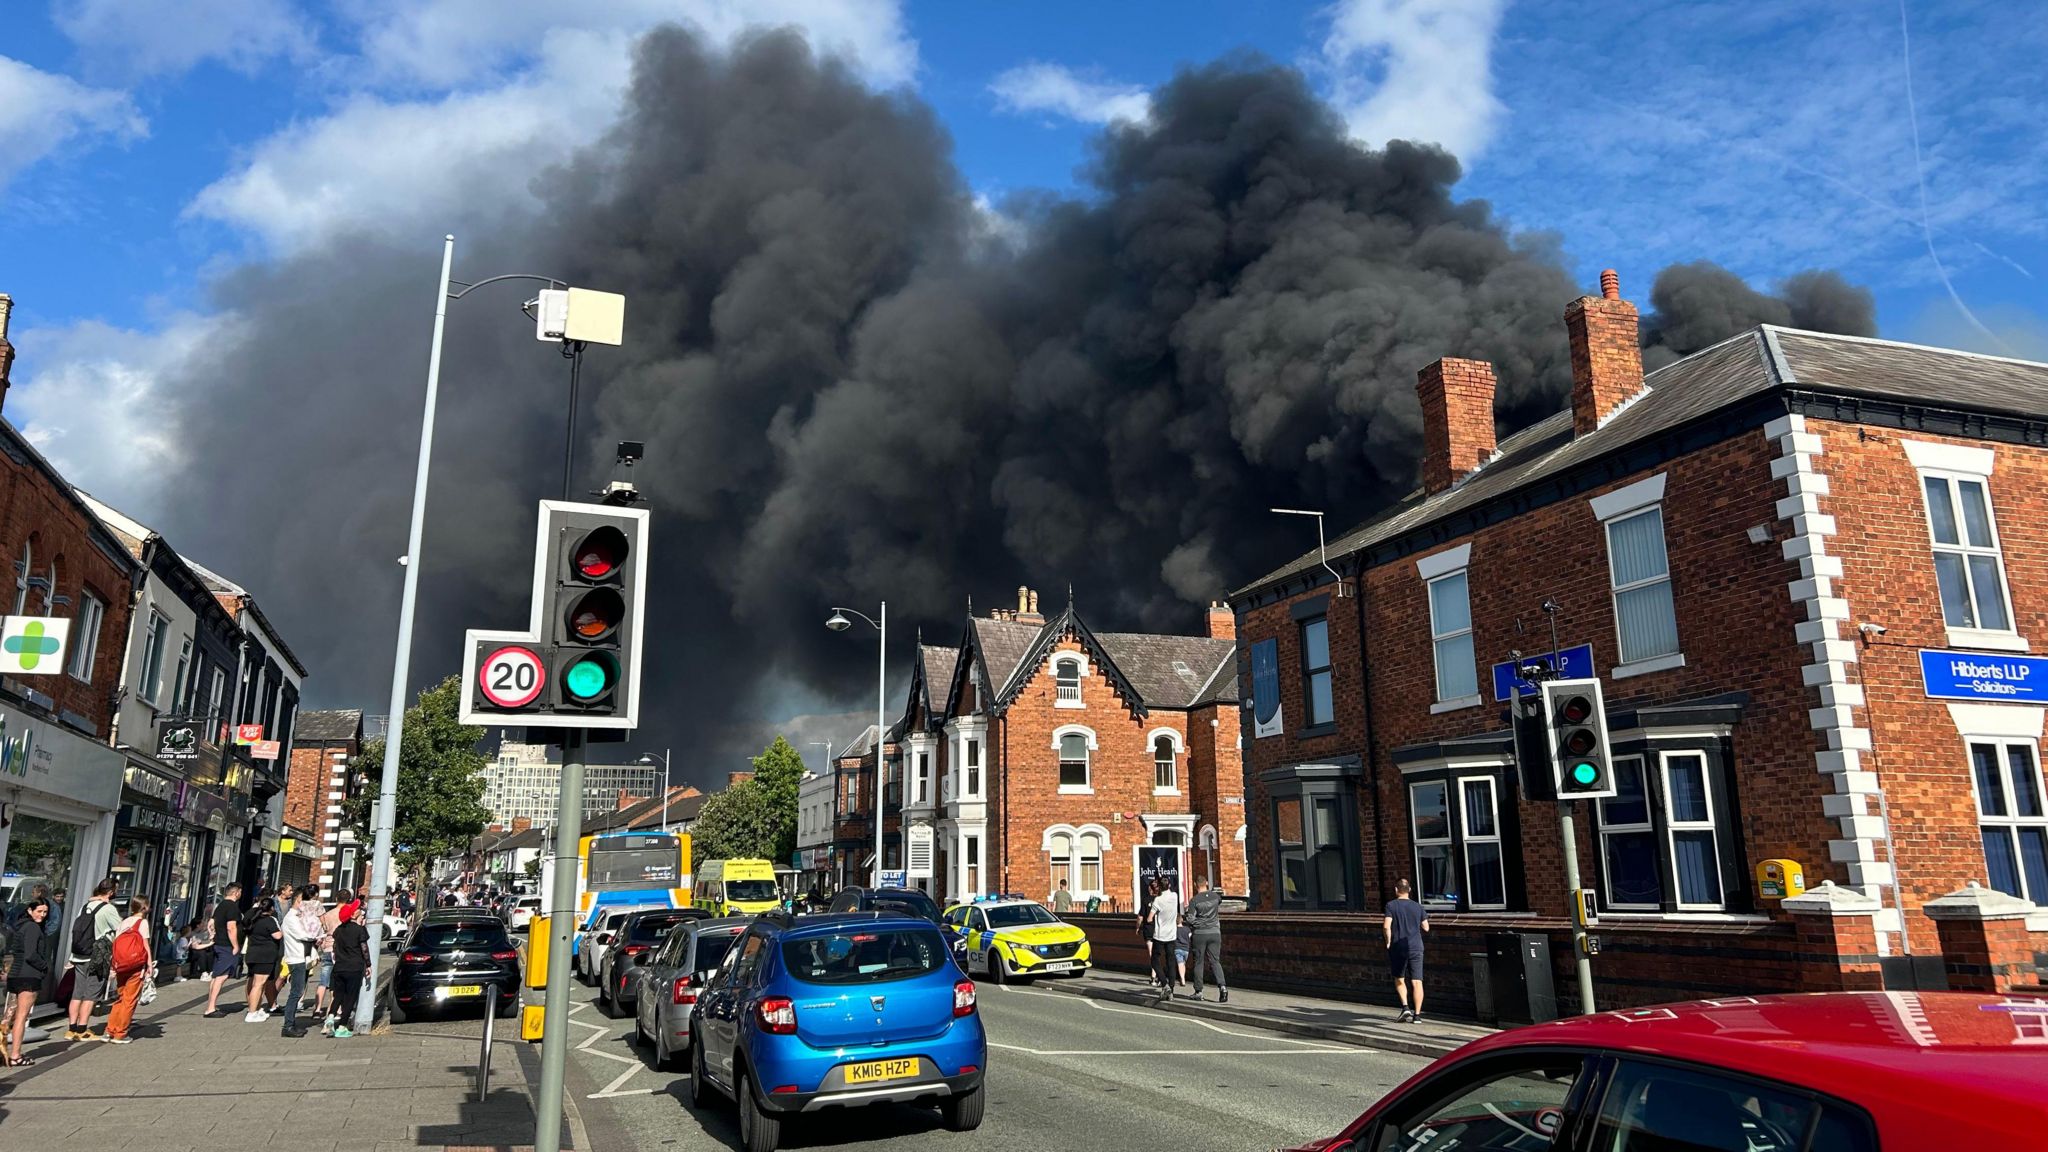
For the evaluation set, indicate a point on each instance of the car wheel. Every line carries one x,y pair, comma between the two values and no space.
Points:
508,1008
759,1132
604,999
998,968
398,1013
963,1113
662,1060
700,1088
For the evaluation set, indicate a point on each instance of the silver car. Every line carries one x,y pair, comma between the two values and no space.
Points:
671,979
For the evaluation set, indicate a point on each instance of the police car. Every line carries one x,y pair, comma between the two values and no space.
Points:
1010,938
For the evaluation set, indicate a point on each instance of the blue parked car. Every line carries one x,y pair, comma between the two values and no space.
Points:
838,1011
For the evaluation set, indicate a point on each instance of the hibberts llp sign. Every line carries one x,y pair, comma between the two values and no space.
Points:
1983,676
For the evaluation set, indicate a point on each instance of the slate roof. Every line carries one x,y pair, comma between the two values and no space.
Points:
330,727
1168,671
1748,364
1004,644
861,746
938,666
647,813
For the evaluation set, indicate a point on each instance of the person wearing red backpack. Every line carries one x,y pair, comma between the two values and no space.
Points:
132,963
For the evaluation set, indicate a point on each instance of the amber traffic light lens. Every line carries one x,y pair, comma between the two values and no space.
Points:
596,615
1575,709
599,554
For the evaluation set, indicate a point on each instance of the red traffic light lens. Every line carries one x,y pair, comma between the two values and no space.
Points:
1579,741
596,615
1575,709
600,554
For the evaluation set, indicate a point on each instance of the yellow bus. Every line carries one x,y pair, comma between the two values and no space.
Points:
736,888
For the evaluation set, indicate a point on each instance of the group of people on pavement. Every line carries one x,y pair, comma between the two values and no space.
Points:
1180,933
275,944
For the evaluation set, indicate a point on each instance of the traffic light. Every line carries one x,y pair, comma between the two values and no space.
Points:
578,665
1533,764
1575,720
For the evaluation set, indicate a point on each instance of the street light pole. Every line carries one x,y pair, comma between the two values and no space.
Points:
839,623
647,758
394,738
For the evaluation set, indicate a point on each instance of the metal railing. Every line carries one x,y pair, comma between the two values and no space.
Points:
483,1059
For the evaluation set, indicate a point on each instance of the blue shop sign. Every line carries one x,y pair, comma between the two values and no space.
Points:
1572,664
1984,676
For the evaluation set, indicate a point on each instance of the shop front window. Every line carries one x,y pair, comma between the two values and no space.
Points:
39,851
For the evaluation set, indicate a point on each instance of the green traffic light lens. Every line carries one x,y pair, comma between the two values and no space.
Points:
1585,773
587,678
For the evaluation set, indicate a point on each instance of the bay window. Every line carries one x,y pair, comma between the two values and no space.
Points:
2011,818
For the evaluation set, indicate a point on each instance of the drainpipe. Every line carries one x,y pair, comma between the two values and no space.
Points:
1372,760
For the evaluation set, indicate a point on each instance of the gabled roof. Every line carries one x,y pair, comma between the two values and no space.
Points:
1170,671
861,745
1070,622
328,727
1744,366
934,666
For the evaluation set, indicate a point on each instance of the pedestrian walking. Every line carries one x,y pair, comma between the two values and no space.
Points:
227,946
133,960
1204,919
261,955
329,921
302,933
1405,925
1062,900
1165,918
31,948
351,961
92,942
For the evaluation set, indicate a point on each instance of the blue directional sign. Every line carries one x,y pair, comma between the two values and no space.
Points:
1992,677
1571,664
895,878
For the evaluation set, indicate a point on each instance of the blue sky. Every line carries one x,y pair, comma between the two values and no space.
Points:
148,145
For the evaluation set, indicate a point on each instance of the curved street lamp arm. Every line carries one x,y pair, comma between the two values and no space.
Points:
859,613
550,281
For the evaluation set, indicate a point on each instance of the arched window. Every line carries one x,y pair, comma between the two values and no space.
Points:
1164,777
1175,836
1073,760
1066,673
1061,848
23,569
1092,845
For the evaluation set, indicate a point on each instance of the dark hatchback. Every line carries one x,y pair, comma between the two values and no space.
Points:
903,901
618,983
451,963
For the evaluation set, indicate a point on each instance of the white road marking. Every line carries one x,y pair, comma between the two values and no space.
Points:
1157,1015
1184,1051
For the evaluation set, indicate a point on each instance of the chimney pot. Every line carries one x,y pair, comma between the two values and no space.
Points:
1607,355
1023,598
1457,420
6,349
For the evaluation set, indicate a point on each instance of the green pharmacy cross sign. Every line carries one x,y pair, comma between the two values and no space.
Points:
33,645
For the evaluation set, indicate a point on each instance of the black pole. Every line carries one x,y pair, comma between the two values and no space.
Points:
573,349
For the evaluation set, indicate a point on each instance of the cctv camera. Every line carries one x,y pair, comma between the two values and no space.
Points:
630,451
1872,629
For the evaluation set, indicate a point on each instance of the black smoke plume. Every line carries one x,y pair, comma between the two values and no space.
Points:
853,385
1698,304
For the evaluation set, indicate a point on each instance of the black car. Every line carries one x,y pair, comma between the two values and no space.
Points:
449,962
908,901
618,982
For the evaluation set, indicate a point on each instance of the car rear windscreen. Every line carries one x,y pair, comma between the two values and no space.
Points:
711,950
472,936
865,956
649,929
907,900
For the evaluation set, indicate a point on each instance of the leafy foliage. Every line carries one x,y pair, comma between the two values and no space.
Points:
440,782
756,818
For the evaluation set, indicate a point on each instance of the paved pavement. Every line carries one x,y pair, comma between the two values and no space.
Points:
1066,1072
192,1083
1367,1025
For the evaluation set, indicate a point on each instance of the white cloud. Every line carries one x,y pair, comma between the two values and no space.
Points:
89,396
159,37
453,88
1055,88
40,111
1415,70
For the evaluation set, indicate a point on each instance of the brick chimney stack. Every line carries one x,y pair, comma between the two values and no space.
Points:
1222,624
6,349
735,779
1027,607
1607,355
1457,420
521,824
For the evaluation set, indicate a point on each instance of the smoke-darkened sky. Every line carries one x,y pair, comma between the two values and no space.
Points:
854,383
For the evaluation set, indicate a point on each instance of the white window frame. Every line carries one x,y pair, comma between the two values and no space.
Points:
972,767
924,775
2010,823
1099,839
1465,853
92,613
1068,694
1060,866
1673,826
1309,674
1087,735
1607,828
1416,841
179,690
155,638
1172,762
1973,635
1662,660
1436,641
23,569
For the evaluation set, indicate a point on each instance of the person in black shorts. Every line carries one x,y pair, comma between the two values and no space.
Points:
1405,925
261,954
227,946
30,952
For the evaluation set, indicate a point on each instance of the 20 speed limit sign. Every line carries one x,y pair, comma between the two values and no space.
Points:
511,677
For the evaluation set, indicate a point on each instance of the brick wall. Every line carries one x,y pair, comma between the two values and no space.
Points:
35,510
1457,419
1216,791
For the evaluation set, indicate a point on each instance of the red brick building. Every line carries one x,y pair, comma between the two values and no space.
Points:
1808,571
1041,750
316,783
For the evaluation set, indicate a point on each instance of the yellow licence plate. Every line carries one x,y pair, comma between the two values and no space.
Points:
877,1071
454,990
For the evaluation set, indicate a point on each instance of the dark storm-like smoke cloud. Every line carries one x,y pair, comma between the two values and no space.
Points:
851,388
1694,305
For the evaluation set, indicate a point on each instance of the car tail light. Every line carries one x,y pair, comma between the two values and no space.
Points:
682,993
417,957
636,949
777,1014
968,1069
963,998
505,955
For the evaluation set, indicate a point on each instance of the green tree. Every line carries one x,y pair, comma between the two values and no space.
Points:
736,824
440,783
779,774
